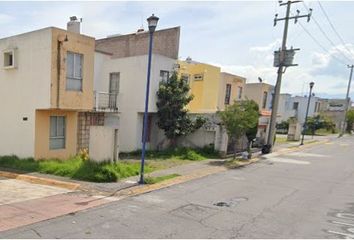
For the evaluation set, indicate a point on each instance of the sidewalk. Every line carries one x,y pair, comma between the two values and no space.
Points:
55,203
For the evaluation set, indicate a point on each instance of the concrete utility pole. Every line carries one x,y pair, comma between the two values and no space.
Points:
347,100
284,61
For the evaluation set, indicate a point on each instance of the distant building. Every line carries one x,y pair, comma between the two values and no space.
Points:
334,109
295,106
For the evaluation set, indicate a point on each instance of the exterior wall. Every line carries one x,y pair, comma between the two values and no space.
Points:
166,43
285,108
42,130
132,87
23,89
255,91
334,109
236,82
301,112
102,152
206,92
76,43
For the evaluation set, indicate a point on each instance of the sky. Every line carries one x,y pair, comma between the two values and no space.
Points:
238,36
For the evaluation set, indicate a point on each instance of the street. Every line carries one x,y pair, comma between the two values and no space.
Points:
300,194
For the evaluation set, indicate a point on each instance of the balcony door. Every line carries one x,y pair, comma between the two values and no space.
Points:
113,89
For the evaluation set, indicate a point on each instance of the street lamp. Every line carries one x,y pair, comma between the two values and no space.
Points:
152,23
307,113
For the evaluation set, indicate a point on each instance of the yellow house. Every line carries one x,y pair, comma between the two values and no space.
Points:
211,88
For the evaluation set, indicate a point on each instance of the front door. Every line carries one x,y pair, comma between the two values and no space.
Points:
113,89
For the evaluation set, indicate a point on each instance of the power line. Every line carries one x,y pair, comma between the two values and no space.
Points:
320,45
326,36
333,28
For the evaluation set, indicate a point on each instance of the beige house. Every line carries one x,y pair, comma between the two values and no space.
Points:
232,89
262,94
47,93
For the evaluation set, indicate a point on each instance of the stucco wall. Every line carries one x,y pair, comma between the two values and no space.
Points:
101,143
24,89
42,131
255,91
76,43
131,96
206,92
236,82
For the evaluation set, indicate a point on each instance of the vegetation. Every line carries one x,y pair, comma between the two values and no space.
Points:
175,153
283,126
172,98
350,120
319,122
239,119
153,180
76,168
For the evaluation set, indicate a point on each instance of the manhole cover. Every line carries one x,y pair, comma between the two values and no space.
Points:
222,204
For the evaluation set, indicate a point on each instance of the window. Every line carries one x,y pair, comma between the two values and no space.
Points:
185,78
239,93
9,58
228,94
165,75
296,105
57,132
198,77
74,71
265,97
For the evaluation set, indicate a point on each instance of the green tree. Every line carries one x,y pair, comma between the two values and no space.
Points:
239,119
172,98
350,120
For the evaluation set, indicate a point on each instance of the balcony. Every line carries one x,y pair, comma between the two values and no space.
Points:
106,102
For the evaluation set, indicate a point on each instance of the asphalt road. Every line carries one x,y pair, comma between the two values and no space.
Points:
304,194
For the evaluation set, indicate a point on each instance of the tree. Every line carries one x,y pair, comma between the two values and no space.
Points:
172,98
239,119
350,120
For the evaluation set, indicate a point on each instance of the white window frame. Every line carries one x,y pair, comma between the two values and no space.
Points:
77,71
57,136
14,60
198,77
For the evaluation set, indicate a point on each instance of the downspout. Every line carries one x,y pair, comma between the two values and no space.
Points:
58,71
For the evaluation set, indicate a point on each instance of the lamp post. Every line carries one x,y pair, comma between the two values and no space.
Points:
307,113
152,23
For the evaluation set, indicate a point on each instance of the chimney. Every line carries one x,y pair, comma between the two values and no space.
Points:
74,25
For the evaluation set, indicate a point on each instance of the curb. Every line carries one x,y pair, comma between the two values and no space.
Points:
40,180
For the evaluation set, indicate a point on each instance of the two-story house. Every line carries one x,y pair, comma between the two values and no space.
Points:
262,94
120,75
46,79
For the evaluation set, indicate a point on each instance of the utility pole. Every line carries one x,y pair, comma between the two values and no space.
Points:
283,59
347,100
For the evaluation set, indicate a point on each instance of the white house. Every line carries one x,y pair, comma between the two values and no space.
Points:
121,68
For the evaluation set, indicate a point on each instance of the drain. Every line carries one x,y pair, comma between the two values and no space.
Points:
222,204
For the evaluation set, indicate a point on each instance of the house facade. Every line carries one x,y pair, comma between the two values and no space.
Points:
262,94
295,106
121,68
334,109
46,79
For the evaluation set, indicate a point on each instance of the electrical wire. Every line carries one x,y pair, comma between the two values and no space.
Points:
326,36
333,28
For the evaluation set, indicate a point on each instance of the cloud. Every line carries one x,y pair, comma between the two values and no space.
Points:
4,18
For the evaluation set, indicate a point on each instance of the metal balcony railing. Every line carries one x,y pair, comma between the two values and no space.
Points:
106,102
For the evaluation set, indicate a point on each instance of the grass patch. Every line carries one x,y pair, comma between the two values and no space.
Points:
76,168
153,180
177,153
235,163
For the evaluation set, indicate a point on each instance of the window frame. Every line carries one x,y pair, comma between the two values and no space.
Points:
74,77
227,94
162,75
56,136
198,77
264,100
12,53
239,92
